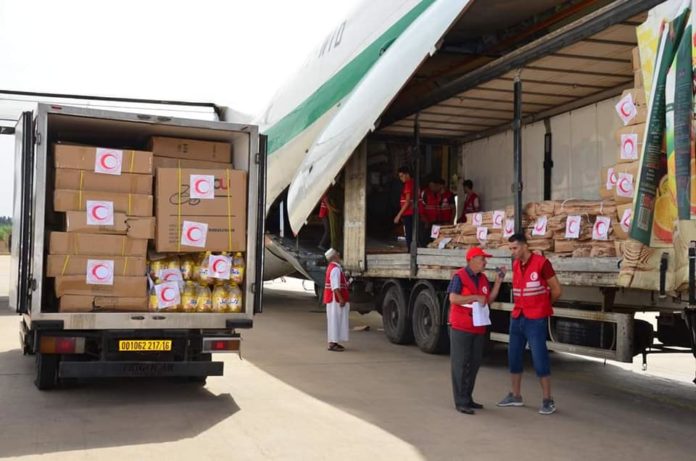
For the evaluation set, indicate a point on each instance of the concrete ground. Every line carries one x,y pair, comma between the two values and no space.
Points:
289,398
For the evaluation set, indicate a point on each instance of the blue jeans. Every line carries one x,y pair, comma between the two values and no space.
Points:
532,331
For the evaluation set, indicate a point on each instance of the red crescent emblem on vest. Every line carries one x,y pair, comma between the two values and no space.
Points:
100,272
201,186
484,290
164,296
108,161
534,276
624,185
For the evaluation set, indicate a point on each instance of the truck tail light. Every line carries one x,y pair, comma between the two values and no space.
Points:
222,345
61,345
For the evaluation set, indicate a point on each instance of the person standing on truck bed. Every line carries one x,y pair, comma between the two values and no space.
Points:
535,289
469,285
336,297
446,203
472,202
406,203
431,198
324,209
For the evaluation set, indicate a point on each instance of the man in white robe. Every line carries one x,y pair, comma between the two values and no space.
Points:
337,301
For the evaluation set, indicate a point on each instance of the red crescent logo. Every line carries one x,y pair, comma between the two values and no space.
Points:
626,110
193,234
624,185
626,219
163,294
484,290
572,226
613,178
169,277
534,276
100,272
217,263
498,220
539,227
97,215
509,227
108,161
628,146
601,227
201,190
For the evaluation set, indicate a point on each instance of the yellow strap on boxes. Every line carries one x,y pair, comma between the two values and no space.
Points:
65,264
123,246
132,162
79,197
178,215
125,266
130,204
229,213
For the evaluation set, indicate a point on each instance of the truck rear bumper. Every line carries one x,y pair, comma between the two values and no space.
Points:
69,369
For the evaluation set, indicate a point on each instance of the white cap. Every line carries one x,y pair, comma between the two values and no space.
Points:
330,253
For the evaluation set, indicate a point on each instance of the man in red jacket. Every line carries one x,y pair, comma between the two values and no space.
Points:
472,202
468,287
535,289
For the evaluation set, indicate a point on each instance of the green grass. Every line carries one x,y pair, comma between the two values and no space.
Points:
5,230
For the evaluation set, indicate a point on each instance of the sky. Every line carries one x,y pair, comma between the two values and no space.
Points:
233,53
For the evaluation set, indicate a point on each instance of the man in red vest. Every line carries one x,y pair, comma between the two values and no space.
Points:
431,199
472,203
535,289
469,290
446,203
406,204
336,298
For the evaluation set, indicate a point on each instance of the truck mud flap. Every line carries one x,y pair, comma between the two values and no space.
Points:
69,369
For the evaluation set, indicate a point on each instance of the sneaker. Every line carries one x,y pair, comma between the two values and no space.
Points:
548,406
511,401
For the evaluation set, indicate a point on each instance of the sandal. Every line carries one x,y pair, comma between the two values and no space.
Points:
335,347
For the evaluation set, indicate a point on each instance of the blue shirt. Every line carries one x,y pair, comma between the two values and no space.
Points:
455,285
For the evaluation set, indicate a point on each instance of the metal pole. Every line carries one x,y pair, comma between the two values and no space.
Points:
416,197
517,145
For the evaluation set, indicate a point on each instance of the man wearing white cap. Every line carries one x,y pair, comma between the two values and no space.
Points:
336,300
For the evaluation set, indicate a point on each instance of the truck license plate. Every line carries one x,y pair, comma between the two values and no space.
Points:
144,345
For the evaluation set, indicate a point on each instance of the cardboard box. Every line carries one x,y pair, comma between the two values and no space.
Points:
126,287
83,157
638,95
166,162
133,226
223,234
638,78
192,149
173,198
124,266
89,180
77,303
130,204
64,243
639,132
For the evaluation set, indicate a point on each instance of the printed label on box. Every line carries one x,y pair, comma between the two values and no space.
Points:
540,226
167,294
482,234
611,178
626,219
108,161
202,186
194,234
624,185
435,232
219,267
509,228
478,219
498,218
100,272
626,109
629,146
600,231
100,213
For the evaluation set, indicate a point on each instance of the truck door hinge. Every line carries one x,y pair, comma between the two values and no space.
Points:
257,158
37,137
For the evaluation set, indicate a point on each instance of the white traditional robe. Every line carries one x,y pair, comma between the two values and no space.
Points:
337,316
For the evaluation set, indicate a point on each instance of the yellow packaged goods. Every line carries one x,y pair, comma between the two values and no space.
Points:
64,243
76,200
189,300
125,266
190,224
89,180
78,303
234,298
127,287
133,226
193,149
204,299
85,158
166,162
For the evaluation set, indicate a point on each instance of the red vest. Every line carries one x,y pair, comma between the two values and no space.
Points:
328,292
447,207
461,316
324,207
530,289
470,205
431,203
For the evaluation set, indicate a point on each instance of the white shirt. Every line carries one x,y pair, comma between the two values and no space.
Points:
335,277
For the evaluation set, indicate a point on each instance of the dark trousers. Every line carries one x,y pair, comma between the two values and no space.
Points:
408,230
466,353
327,232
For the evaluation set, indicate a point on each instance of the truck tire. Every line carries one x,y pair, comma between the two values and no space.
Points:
395,318
46,371
428,330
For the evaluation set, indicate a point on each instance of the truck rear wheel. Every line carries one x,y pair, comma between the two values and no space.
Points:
395,319
46,371
428,330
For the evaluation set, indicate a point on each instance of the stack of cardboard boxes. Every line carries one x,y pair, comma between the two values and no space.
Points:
99,258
